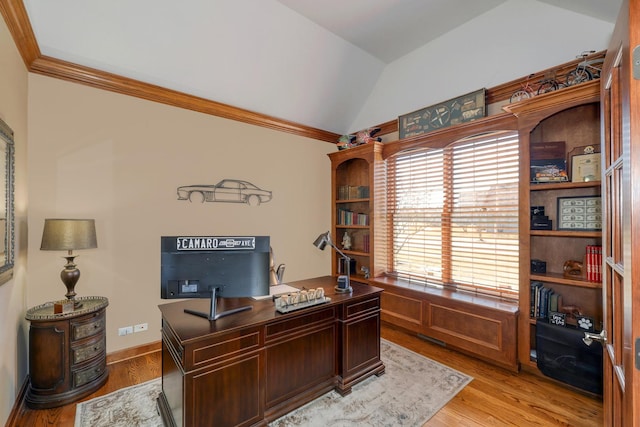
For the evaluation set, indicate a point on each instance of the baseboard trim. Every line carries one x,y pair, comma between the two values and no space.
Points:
132,352
17,405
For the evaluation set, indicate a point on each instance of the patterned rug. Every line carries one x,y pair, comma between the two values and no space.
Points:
410,392
127,407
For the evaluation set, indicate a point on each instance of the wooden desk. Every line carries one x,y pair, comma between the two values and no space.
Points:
255,366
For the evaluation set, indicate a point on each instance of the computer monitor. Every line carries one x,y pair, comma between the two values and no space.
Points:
213,267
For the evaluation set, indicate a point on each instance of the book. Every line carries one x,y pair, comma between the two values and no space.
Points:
544,302
553,302
593,261
533,301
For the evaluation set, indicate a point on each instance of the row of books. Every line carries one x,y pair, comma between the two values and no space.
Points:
348,192
347,217
543,301
593,263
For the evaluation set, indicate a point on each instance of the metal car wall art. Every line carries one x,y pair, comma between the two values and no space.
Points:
227,190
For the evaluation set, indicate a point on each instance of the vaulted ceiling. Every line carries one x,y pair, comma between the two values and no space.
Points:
305,62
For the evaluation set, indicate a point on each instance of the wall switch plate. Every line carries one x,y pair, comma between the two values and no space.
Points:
125,330
140,327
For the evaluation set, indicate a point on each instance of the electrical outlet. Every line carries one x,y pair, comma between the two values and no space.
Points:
141,327
125,330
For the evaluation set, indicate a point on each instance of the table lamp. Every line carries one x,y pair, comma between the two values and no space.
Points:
344,282
69,234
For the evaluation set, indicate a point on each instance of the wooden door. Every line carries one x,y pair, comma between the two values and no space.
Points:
621,227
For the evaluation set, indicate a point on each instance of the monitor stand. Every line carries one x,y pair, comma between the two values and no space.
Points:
213,313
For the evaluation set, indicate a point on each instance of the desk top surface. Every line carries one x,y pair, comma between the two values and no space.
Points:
189,327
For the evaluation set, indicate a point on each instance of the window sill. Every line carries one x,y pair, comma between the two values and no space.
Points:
484,301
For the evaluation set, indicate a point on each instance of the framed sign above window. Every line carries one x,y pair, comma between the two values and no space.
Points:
458,110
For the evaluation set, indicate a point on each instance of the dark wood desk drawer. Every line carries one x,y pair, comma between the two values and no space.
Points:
361,308
302,321
223,348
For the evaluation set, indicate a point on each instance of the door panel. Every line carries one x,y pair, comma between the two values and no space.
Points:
621,235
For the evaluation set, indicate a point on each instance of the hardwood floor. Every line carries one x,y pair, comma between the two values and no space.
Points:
495,397
124,373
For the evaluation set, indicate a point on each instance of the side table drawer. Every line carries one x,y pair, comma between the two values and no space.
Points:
89,373
88,351
95,325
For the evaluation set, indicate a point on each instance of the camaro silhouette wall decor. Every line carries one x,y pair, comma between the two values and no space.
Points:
227,190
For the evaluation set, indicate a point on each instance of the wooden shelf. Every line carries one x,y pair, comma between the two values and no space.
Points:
566,233
564,280
563,185
356,253
353,200
362,227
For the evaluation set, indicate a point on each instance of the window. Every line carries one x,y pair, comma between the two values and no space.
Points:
453,214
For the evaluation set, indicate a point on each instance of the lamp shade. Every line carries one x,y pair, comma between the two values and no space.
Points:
344,282
68,234
321,241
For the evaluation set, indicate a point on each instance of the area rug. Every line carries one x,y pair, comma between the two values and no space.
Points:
127,407
410,392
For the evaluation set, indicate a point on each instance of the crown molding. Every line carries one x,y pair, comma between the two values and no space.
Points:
17,20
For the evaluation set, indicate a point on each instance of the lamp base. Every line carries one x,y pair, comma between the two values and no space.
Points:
343,290
70,275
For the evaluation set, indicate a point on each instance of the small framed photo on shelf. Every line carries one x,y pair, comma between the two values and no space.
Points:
551,170
581,213
548,162
584,164
558,319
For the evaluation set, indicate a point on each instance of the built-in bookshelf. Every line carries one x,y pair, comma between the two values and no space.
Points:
559,280
353,172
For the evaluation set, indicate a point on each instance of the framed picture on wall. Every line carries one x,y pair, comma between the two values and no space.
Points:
462,109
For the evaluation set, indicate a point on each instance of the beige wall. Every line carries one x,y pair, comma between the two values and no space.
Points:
13,327
119,159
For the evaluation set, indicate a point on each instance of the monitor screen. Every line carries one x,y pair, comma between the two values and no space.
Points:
192,266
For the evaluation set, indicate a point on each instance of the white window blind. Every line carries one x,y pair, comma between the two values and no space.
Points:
454,214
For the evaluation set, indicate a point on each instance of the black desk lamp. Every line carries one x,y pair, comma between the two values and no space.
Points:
344,283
